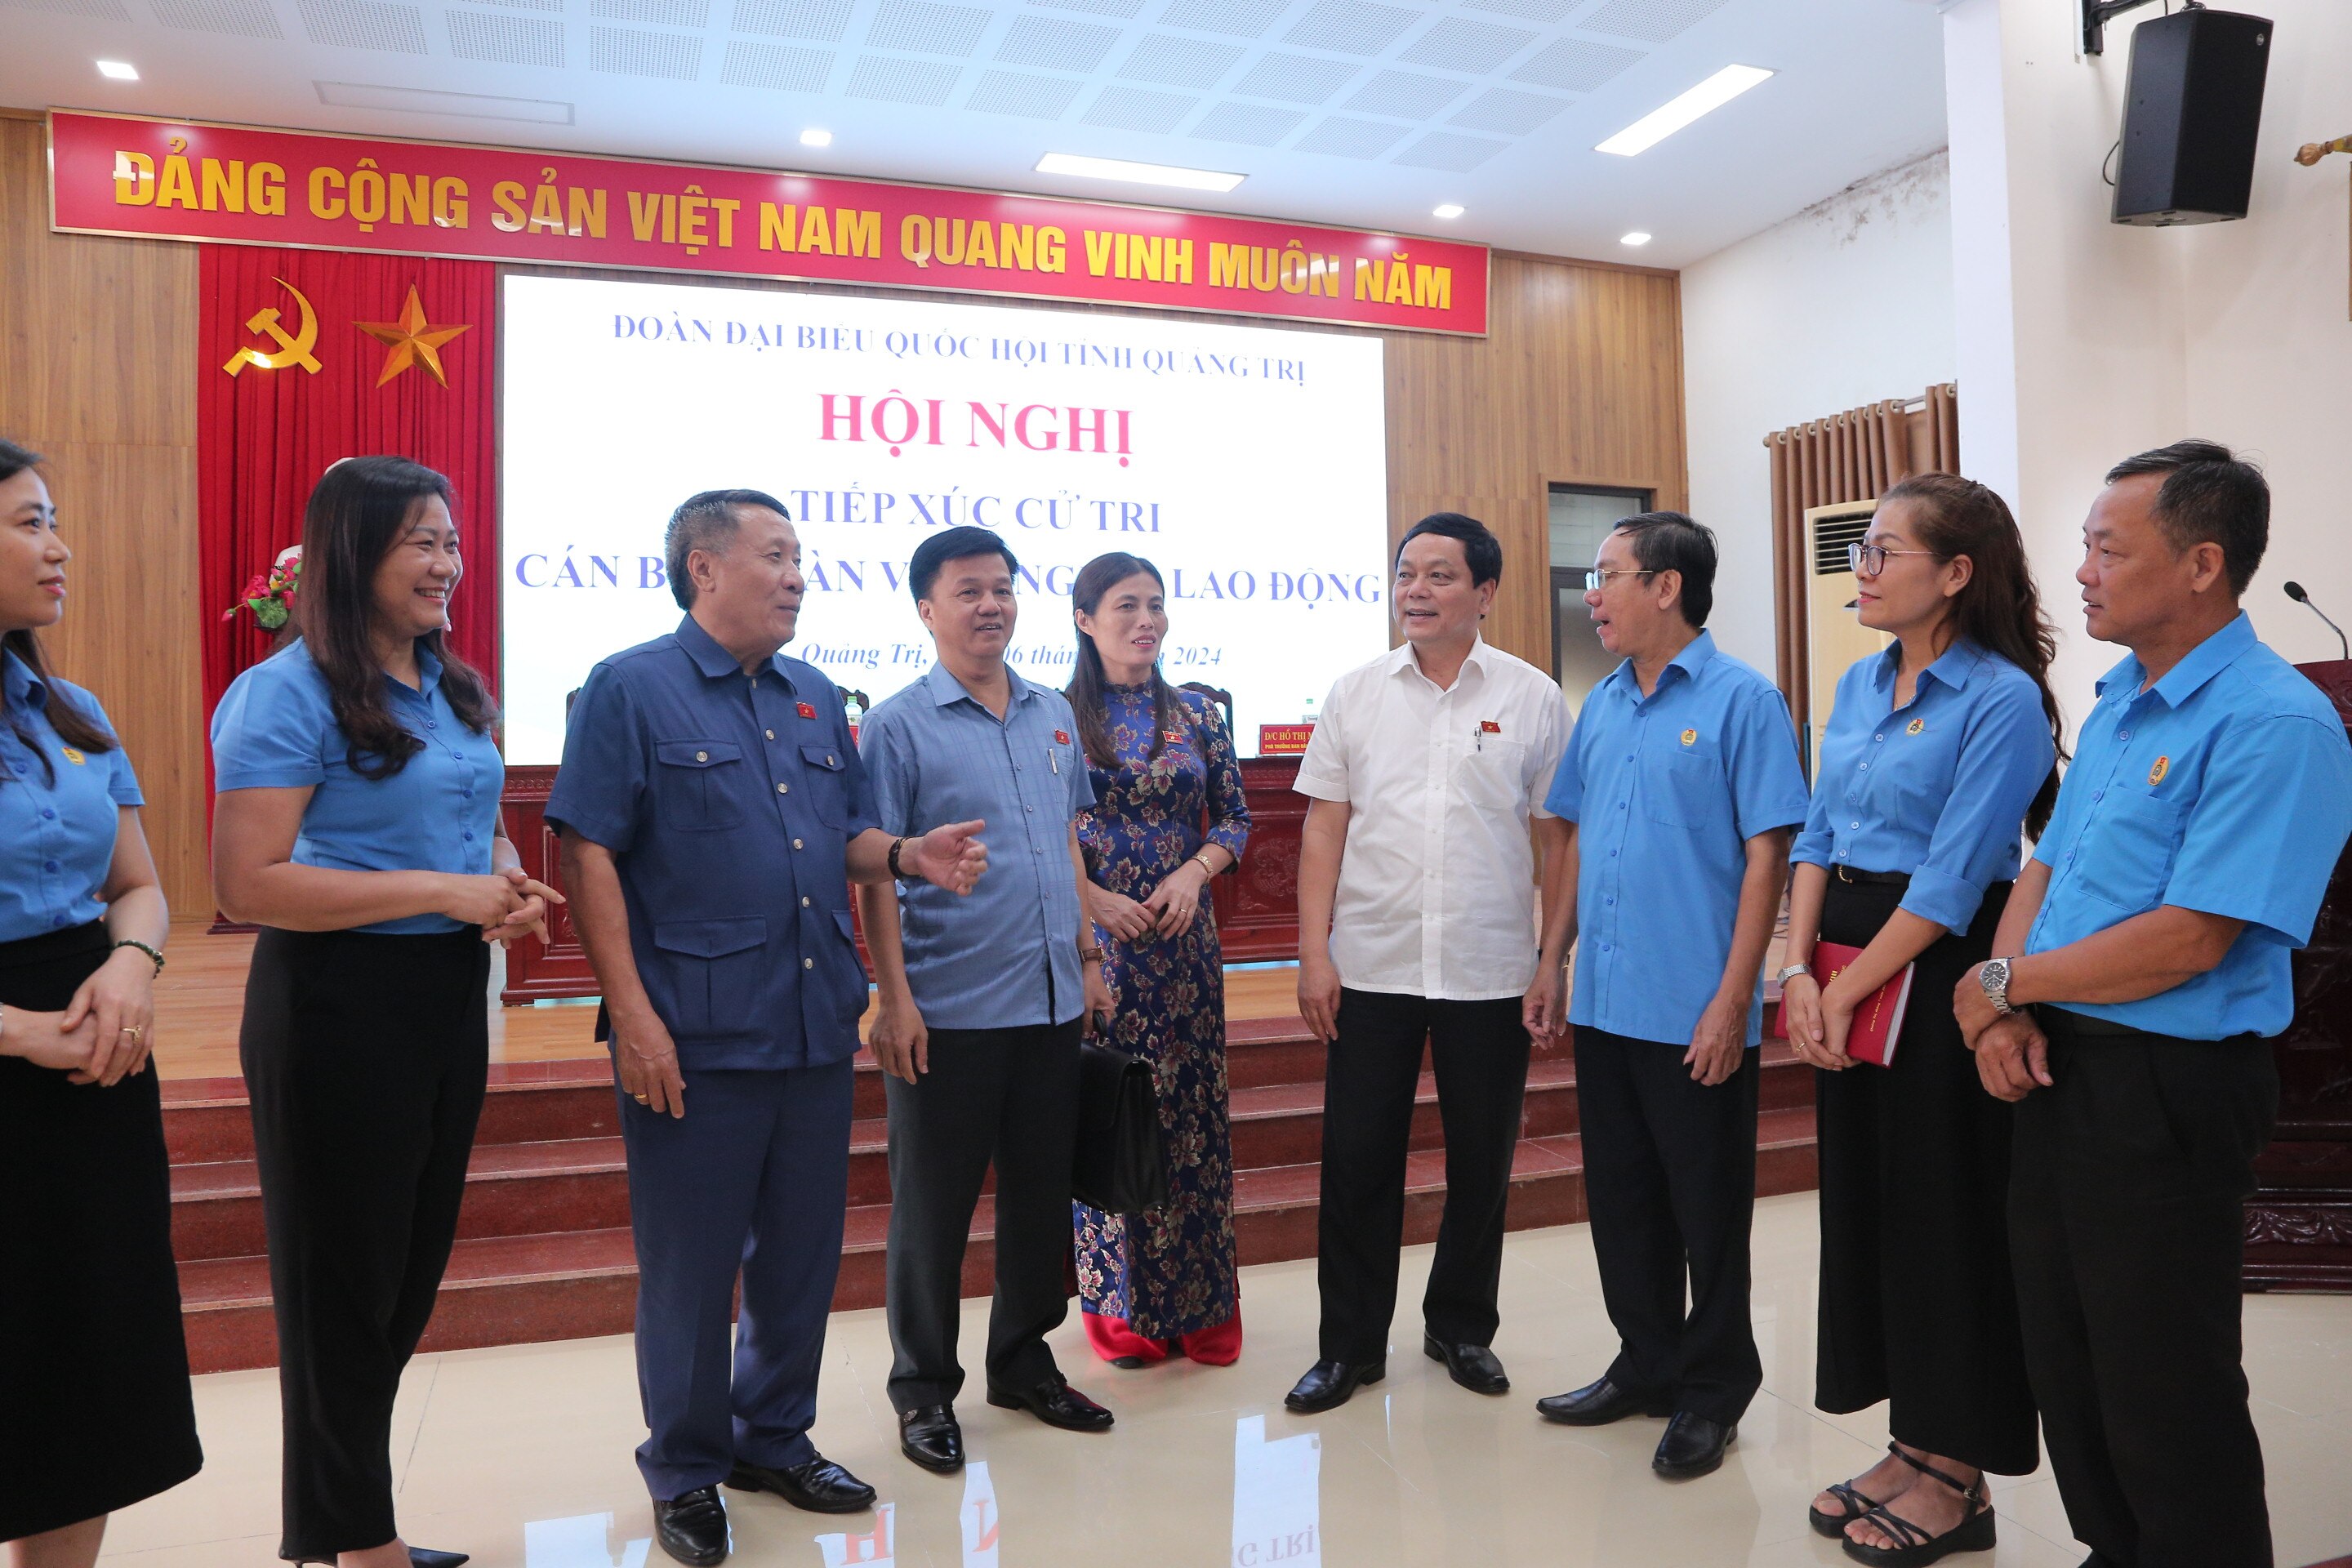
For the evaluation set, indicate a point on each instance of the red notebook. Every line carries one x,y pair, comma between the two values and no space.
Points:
1878,1022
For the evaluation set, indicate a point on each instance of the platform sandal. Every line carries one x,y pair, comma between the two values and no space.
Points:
1833,1525
1974,1534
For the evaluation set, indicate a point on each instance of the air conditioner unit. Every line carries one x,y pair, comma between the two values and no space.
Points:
1835,639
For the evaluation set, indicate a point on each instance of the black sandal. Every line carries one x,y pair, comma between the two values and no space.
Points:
1974,1534
1833,1525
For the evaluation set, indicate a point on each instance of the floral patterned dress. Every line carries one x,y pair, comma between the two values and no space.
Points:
1170,1272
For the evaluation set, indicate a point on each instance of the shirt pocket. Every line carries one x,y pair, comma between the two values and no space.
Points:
827,776
714,970
2125,853
1684,788
698,785
1493,777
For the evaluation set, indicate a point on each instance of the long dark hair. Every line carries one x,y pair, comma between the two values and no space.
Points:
1096,578
74,726
359,509
1999,608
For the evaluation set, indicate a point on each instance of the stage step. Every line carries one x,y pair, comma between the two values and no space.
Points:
544,1248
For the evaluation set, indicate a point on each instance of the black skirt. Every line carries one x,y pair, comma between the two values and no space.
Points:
1917,1305
95,1408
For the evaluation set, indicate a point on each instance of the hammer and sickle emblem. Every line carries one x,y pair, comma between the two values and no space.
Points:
292,349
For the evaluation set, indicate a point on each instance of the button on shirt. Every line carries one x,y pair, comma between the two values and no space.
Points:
1436,894
58,822
2225,787
1937,788
276,729
1665,791
1005,954
727,801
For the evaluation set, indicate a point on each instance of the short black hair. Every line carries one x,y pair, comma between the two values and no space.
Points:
955,545
1480,548
2210,493
1677,541
707,521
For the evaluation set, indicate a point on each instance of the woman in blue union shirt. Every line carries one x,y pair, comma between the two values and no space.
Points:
357,823
1935,752
95,1412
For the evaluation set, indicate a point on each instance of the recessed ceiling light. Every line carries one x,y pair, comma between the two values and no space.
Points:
118,70
1137,174
1447,209
813,137
1665,120
1636,238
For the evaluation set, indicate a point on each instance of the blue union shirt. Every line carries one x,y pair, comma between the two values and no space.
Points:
275,729
56,825
728,802
1665,791
1006,953
1937,788
2226,787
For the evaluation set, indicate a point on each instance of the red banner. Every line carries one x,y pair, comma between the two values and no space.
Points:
167,179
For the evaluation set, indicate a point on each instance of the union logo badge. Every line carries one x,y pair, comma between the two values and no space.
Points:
1690,737
76,758
2156,774
1916,726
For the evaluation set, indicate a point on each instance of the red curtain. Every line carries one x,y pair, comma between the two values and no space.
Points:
264,436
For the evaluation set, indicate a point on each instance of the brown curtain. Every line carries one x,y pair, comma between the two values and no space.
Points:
1848,457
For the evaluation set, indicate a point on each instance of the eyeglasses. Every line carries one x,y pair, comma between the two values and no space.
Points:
1870,560
1595,581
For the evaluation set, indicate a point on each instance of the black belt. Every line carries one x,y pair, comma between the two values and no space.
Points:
1845,873
2083,1024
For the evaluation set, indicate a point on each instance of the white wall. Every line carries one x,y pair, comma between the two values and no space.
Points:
1846,303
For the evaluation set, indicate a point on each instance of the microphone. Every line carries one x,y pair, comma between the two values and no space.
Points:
2295,591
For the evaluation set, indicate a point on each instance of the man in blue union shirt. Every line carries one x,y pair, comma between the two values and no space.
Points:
2191,845
1681,784
979,1002
713,815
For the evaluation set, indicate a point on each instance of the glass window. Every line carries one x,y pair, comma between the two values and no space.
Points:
1581,517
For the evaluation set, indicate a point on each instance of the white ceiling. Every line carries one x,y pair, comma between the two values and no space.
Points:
1356,112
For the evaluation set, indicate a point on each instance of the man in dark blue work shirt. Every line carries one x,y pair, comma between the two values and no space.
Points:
713,814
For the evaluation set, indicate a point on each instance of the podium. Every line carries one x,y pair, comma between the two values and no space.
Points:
2299,1221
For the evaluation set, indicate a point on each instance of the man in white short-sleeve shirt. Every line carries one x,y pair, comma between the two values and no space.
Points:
1416,923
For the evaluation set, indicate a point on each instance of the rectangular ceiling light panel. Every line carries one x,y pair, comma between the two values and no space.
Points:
1131,174
1672,116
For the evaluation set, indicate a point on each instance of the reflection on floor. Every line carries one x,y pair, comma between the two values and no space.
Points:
521,1455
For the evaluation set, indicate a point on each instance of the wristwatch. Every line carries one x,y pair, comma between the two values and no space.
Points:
1782,978
1993,975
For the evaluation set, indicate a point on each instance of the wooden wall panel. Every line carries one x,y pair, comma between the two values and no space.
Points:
1580,380
97,371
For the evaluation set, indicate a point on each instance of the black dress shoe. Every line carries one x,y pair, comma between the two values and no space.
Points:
816,1484
1693,1446
693,1528
1052,1401
1472,1366
1599,1404
931,1438
1330,1384
426,1557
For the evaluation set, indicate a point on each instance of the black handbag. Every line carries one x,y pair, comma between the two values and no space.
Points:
1119,1167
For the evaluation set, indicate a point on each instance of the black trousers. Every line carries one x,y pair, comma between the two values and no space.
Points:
1917,1304
1479,1050
1670,1184
95,1411
366,1056
1003,1096
2126,1219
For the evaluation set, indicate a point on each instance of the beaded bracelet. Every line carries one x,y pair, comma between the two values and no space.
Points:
143,948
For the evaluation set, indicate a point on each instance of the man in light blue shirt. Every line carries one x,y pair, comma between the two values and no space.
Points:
1681,784
2192,842
981,1002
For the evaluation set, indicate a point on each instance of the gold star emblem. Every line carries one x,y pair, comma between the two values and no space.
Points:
413,340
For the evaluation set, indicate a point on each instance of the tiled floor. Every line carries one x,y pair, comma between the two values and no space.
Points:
521,1455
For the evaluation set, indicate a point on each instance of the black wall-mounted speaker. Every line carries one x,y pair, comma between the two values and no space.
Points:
2193,108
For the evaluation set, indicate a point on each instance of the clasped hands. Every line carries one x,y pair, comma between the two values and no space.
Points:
1170,911
106,1031
2013,1053
508,905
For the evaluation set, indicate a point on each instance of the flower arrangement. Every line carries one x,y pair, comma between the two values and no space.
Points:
270,594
